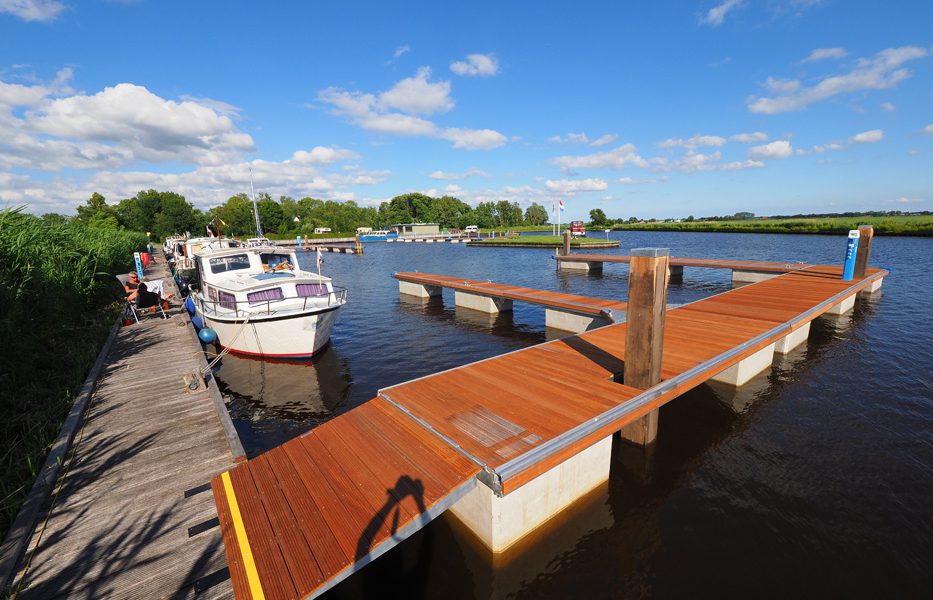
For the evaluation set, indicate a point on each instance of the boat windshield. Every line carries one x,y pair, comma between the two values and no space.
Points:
229,263
276,262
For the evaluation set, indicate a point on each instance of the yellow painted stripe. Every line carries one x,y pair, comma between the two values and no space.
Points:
252,575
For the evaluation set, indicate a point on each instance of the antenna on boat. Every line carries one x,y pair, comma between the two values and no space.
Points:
255,207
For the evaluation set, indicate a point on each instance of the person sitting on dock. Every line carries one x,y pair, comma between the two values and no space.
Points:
131,287
146,299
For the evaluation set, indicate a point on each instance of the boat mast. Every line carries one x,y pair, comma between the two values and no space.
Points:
255,207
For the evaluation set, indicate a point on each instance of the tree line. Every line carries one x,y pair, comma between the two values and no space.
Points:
166,213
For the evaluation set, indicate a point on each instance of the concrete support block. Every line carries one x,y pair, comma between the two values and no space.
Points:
843,307
500,522
744,370
872,287
419,290
792,340
751,276
675,274
565,321
574,265
484,304
642,432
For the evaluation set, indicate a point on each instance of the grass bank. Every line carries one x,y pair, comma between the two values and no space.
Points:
57,303
549,241
914,225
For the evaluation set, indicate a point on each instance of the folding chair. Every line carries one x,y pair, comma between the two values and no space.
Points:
130,309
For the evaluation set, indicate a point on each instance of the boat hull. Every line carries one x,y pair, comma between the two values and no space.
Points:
289,336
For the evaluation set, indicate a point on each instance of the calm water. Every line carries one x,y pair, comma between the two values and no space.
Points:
814,479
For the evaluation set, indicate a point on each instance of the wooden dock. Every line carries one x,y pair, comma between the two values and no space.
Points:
584,305
305,515
132,515
707,263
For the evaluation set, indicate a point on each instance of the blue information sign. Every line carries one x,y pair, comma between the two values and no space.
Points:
848,269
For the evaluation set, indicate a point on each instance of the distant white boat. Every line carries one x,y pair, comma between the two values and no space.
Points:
260,303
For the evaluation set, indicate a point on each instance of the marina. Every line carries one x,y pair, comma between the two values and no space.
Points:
440,447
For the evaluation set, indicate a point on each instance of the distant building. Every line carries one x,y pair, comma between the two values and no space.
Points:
416,228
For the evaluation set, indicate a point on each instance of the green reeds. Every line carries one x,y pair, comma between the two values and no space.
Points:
57,302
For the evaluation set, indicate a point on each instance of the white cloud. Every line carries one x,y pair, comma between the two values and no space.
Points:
905,200
746,138
825,53
928,130
776,149
835,146
418,95
611,159
454,176
694,161
572,138
218,106
781,86
476,65
401,50
694,142
411,95
867,137
571,186
632,181
473,139
604,140
32,10
717,14
888,107
881,72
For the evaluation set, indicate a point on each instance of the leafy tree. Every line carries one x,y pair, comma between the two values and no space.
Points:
97,211
270,214
237,213
536,214
598,217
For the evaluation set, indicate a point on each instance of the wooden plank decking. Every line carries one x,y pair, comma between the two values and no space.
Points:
306,514
709,263
119,525
571,302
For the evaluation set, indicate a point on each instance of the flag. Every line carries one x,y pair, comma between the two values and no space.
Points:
320,259
562,205
209,232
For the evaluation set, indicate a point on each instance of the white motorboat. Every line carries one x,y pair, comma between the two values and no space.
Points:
260,303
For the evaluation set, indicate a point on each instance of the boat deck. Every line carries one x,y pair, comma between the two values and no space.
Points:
305,515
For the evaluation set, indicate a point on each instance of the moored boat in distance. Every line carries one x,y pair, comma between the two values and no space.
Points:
379,235
260,303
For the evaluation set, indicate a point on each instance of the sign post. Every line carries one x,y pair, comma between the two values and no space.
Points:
139,265
848,269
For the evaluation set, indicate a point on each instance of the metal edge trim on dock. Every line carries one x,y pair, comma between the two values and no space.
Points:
24,524
579,432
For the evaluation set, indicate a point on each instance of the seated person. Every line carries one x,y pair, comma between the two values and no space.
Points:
133,283
147,299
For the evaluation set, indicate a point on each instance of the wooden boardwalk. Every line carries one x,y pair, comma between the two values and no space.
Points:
120,523
571,302
302,517
709,263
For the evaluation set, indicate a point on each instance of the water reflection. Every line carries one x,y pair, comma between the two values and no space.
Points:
272,401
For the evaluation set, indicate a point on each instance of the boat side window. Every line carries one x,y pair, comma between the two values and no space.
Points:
229,263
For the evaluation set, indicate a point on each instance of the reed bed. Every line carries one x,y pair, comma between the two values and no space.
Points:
58,298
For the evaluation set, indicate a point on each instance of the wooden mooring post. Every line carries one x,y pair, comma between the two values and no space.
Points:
866,233
644,337
566,242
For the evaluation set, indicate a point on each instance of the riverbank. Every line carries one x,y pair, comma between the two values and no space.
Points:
542,241
915,225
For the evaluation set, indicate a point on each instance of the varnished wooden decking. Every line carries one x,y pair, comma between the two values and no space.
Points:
316,508
119,527
709,263
571,302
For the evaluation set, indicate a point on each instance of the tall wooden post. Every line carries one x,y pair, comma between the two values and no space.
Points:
566,242
644,332
866,233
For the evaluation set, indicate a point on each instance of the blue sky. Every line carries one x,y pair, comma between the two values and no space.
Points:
662,109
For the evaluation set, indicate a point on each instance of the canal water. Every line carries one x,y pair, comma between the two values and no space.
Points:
815,479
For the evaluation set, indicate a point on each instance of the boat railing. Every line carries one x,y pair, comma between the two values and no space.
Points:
238,308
